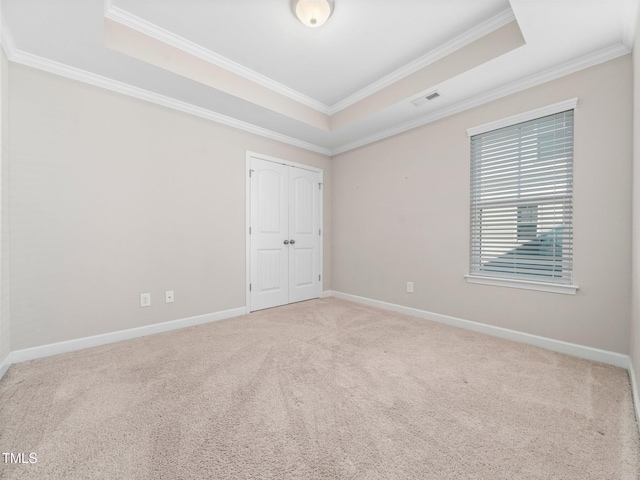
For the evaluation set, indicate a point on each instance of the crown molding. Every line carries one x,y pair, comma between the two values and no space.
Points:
448,48
132,21
631,24
51,66
147,28
6,39
18,56
586,61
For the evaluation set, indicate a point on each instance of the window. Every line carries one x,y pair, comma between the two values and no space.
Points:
522,202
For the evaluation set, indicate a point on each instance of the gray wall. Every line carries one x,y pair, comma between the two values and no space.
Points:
402,214
635,317
5,301
112,197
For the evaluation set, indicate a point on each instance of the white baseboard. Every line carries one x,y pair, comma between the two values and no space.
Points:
112,337
590,353
6,363
635,392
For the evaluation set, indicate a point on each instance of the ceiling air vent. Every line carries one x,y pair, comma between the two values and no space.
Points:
418,102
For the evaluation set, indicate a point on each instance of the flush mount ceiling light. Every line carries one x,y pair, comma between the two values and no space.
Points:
312,13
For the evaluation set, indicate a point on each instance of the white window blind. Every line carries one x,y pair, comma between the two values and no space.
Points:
522,201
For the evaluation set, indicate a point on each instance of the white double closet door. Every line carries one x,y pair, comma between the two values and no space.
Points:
285,234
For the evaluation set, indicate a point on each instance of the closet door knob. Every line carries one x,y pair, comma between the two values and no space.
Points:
286,242
292,241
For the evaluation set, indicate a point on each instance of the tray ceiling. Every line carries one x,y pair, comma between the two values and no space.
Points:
253,65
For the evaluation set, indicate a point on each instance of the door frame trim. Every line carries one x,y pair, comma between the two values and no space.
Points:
260,156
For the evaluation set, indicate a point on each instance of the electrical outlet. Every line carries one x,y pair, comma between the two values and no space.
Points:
145,299
410,287
168,296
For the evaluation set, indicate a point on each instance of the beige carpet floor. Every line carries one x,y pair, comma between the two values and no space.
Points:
324,389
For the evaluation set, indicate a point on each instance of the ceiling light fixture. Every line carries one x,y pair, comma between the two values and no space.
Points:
312,13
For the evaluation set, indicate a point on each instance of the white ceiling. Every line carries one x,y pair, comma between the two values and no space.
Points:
365,46
364,40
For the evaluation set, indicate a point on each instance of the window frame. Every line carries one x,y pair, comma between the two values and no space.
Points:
522,283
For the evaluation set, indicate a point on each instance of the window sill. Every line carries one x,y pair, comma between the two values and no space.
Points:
526,284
